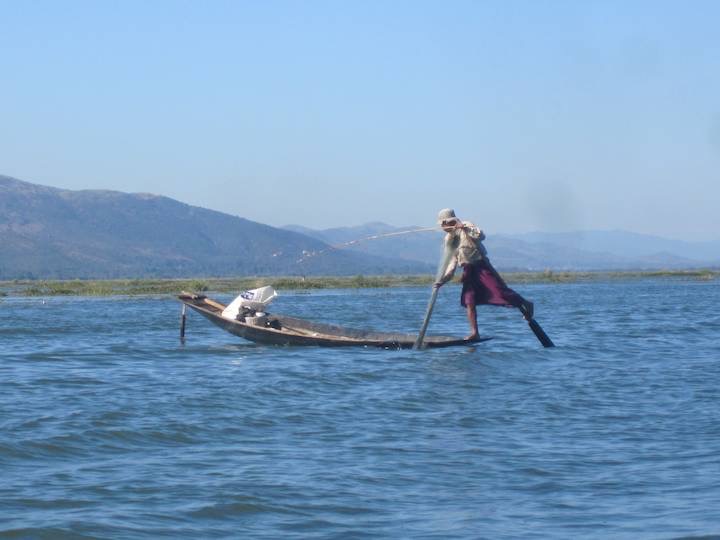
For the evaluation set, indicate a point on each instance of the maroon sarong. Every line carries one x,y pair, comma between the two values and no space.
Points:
483,285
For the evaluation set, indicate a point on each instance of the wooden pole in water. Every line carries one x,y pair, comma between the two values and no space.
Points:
449,249
540,333
421,335
183,317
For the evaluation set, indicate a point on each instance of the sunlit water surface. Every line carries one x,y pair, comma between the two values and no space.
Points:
111,428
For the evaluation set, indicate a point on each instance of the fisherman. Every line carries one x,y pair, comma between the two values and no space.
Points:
481,282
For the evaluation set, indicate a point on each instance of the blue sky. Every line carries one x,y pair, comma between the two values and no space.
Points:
523,115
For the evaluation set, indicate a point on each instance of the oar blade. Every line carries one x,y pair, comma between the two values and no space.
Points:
540,333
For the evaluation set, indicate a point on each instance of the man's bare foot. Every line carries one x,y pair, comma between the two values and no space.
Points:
472,337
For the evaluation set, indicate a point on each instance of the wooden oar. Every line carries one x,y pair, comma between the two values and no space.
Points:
540,333
423,329
537,330
449,249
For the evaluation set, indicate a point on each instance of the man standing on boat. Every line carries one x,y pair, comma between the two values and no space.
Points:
481,282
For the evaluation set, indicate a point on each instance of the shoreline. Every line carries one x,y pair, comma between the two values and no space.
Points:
172,286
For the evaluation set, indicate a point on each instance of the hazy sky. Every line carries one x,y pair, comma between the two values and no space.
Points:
523,115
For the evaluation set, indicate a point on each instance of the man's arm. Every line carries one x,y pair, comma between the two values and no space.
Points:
475,232
451,243
449,273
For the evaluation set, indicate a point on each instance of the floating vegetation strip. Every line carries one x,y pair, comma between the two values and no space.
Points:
130,287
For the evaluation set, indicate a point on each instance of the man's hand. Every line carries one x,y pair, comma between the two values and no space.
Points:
437,284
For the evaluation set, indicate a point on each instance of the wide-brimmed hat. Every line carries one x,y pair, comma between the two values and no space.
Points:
446,214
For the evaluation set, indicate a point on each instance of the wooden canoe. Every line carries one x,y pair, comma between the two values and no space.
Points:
284,330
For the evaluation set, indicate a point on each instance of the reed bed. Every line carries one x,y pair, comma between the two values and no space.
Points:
134,287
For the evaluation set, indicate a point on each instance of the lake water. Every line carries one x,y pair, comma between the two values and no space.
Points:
110,428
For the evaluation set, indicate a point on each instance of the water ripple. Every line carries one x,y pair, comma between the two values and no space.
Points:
110,428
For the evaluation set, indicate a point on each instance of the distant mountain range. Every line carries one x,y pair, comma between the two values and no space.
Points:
629,245
590,250
50,233
61,234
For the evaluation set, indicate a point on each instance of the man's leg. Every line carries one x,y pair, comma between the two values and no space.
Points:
472,319
512,298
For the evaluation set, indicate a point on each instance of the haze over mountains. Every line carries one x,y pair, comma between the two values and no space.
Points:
61,234
588,250
50,233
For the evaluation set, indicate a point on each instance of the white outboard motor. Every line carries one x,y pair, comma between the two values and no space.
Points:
250,303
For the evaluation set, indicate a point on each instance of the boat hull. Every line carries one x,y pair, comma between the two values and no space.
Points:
284,330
